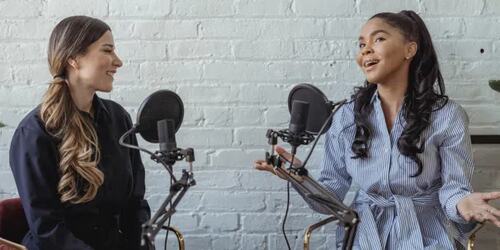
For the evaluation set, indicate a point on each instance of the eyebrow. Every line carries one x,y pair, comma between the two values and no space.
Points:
374,33
110,45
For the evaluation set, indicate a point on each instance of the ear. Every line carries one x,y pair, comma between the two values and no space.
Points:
411,50
73,63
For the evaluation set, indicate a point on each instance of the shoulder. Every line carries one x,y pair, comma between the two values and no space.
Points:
115,110
31,135
449,120
33,125
345,112
450,112
113,107
343,118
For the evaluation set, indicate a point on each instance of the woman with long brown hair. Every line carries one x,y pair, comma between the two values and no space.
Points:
79,188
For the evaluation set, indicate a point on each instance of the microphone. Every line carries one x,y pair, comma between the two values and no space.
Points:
161,105
158,119
166,135
298,123
310,115
298,117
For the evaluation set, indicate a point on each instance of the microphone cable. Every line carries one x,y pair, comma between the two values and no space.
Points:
287,207
336,107
169,219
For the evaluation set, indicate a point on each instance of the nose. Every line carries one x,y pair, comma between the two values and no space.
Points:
117,61
367,49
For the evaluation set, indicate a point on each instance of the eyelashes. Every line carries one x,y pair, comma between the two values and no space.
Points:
378,39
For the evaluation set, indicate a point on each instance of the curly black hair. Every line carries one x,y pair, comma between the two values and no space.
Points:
425,93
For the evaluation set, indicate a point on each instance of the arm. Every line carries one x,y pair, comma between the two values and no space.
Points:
460,204
334,175
456,164
137,210
33,159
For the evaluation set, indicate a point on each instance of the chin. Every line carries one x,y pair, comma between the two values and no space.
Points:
106,88
372,79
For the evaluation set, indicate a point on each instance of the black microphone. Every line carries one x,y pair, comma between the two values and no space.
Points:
298,122
298,117
166,135
311,114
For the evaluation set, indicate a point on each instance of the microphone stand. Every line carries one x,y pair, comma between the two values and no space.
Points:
177,190
339,211
299,177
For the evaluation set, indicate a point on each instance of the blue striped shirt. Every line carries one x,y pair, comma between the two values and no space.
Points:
398,211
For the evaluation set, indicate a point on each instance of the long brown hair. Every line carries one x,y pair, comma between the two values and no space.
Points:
78,148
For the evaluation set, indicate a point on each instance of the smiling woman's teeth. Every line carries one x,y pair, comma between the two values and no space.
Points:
370,63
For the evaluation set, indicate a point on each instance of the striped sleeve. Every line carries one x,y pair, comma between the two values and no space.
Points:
456,163
333,176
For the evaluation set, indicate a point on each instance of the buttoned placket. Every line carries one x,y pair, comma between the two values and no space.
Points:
389,141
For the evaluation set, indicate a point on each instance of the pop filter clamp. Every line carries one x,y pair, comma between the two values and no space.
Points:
167,156
299,176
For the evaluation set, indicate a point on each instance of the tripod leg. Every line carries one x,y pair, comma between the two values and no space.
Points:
178,234
311,228
350,232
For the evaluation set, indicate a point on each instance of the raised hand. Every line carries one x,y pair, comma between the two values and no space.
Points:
285,156
475,207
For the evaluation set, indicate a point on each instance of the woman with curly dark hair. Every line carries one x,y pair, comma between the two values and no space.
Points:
404,143
79,188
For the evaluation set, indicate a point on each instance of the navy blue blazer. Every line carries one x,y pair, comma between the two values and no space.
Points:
113,219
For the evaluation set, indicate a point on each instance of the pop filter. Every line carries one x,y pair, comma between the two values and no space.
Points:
162,104
320,107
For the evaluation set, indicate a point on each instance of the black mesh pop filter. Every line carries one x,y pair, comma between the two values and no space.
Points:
319,106
162,104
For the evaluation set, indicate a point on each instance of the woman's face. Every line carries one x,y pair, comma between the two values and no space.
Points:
96,68
384,54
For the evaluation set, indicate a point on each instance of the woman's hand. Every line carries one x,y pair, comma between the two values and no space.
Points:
286,157
475,207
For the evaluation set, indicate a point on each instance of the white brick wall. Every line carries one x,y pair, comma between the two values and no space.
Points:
233,63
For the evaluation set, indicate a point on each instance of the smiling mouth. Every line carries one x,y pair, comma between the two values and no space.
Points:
368,64
110,73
